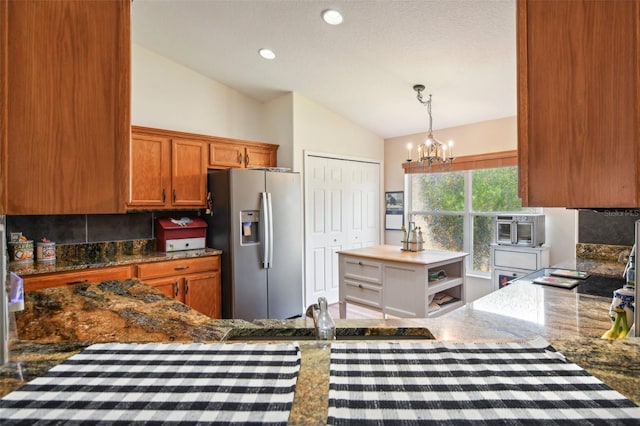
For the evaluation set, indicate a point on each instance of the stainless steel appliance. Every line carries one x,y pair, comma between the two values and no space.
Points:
520,230
257,223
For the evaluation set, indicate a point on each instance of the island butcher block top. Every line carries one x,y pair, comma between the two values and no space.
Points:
396,254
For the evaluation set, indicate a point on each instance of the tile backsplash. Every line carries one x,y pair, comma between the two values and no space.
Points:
80,229
613,227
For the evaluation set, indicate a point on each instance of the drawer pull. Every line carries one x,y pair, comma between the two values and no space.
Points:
77,282
180,268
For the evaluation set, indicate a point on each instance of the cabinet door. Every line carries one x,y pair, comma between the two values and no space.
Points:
66,88
202,292
169,286
225,155
578,127
256,156
150,171
188,173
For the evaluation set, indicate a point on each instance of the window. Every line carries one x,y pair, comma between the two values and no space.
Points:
456,210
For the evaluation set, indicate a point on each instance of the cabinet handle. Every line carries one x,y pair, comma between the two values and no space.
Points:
176,288
76,282
246,160
186,287
239,158
180,268
174,195
164,195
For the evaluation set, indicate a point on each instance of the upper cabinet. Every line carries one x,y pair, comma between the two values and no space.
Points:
169,168
166,172
225,153
579,103
64,106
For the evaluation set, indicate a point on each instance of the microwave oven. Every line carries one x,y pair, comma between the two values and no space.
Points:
520,230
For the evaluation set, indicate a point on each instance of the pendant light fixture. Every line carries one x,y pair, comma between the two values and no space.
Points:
432,150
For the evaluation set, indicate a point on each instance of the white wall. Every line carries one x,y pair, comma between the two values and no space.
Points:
480,138
167,95
319,129
279,127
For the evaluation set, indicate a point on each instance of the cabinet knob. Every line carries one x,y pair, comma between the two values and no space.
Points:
360,286
360,263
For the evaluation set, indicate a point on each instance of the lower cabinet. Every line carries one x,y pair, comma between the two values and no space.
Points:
61,279
193,281
511,262
401,289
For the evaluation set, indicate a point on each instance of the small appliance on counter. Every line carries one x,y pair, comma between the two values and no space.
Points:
177,234
520,230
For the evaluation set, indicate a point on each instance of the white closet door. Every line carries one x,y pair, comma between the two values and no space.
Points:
342,210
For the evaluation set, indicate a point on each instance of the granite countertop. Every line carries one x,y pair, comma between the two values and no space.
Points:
396,254
74,260
60,322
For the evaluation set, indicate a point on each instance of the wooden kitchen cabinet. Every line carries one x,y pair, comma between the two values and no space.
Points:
84,276
231,153
193,281
64,106
579,103
166,172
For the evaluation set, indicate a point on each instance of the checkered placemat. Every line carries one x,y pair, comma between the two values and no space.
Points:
467,384
119,383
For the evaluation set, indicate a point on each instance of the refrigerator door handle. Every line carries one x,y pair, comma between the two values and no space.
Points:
270,229
264,221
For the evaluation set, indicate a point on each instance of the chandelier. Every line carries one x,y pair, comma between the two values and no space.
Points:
432,150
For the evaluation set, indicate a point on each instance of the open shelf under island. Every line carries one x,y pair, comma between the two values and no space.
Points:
400,283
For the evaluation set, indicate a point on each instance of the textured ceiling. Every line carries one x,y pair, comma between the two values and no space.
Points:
463,51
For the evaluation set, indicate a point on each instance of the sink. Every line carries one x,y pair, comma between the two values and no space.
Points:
348,333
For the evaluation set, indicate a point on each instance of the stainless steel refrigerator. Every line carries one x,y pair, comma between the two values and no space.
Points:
257,223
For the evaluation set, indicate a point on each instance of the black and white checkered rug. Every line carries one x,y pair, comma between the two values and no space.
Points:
467,384
161,384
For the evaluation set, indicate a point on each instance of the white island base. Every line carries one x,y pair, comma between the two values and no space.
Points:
402,283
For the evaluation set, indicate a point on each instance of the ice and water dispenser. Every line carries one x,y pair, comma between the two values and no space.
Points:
250,222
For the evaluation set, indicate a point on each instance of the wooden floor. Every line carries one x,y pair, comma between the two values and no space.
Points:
354,312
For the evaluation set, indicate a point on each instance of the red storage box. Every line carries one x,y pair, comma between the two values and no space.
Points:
175,234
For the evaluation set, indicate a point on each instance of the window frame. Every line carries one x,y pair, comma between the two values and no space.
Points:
467,165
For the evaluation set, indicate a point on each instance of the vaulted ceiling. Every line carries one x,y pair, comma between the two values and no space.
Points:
463,51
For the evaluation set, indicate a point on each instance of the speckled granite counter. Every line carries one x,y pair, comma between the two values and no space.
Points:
73,257
58,323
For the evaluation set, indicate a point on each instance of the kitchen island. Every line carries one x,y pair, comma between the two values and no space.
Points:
402,283
52,328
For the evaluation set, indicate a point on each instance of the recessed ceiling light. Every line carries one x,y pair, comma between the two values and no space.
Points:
267,53
332,17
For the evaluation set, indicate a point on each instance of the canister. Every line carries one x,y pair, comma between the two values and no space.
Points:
21,251
45,251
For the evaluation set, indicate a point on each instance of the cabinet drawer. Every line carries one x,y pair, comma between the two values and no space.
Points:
363,293
362,270
178,266
514,259
38,282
